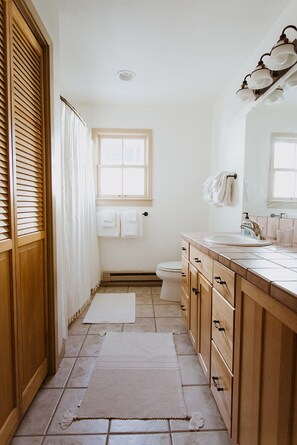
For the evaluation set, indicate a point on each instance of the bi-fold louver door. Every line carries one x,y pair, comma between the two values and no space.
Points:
8,364
24,247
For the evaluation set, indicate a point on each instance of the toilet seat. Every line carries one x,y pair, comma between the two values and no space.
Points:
171,266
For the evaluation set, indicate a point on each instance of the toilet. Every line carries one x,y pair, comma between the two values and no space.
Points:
170,274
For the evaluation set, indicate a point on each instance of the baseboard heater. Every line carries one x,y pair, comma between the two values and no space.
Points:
130,278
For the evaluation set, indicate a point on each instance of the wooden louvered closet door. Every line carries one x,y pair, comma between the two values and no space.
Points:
26,299
8,356
30,208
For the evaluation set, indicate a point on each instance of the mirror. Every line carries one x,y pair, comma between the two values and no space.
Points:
262,121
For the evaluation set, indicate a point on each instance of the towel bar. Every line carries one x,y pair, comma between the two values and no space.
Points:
232,176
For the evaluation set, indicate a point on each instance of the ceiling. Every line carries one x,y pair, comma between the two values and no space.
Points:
182,51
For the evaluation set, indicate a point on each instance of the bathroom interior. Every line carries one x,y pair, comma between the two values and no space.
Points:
210,250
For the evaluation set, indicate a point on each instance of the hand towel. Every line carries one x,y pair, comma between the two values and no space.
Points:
108,218
217,189
108,229
131,228
220,195
207,189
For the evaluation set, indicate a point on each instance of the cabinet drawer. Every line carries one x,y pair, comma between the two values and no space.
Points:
185,249
185,275
202,262
222,326
224,281
221,385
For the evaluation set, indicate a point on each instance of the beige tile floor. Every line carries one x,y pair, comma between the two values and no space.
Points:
64,390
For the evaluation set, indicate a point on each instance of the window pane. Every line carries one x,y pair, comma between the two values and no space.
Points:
284,184
111,181
133,181
111,151
133,152
284,154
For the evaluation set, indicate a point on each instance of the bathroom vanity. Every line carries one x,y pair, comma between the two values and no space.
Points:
241,314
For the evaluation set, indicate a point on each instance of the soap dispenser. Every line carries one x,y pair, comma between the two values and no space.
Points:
245,224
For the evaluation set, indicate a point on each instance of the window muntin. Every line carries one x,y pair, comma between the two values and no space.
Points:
124,165
283,172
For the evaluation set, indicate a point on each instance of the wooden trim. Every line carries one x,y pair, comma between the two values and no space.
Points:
31,238
34,385
146,198
9,425
5,245
124,202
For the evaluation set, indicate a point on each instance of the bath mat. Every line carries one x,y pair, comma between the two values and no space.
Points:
112,308
136,376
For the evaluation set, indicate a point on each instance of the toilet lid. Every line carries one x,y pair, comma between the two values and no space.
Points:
173,266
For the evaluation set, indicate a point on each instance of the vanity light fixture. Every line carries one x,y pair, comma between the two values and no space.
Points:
281,58
261,77
245,94
283,54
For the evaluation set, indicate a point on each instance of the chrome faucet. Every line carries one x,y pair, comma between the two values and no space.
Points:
252,227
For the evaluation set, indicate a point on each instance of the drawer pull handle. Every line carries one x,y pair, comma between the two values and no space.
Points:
218,325
183,248
215,382
219,280
195,290
183,274
197,260
183,307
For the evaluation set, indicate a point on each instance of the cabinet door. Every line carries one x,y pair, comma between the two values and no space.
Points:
265,370
204,334
8,388
194,296
29,188
185,275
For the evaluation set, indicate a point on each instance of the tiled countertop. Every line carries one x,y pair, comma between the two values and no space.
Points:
273,269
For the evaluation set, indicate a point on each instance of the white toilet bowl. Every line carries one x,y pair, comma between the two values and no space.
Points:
170,274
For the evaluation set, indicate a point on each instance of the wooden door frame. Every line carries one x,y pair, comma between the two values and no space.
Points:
23,6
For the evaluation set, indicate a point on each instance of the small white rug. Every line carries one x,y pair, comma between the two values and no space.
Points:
112,308
136,376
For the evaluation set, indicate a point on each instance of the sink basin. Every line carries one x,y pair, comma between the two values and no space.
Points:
230,239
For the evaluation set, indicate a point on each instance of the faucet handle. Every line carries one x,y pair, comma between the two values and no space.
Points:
246,215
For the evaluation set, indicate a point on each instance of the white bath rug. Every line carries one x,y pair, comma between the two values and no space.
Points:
112,308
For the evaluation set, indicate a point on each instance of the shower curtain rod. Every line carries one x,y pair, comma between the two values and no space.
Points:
73,109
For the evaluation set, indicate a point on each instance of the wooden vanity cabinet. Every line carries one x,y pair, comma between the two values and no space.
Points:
265,370
246,342
222,340
199,292
185,298
204,325
194,307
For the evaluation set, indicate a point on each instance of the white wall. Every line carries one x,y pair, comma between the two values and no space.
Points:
181,161
228,131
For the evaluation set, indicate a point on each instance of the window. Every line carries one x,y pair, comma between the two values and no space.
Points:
124,166
283,170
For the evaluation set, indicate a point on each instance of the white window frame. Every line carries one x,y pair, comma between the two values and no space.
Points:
146,134
274,201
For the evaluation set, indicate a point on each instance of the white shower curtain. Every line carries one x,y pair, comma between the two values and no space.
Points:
81,271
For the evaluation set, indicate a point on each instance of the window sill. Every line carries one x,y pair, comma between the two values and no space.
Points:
124,202
282,204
